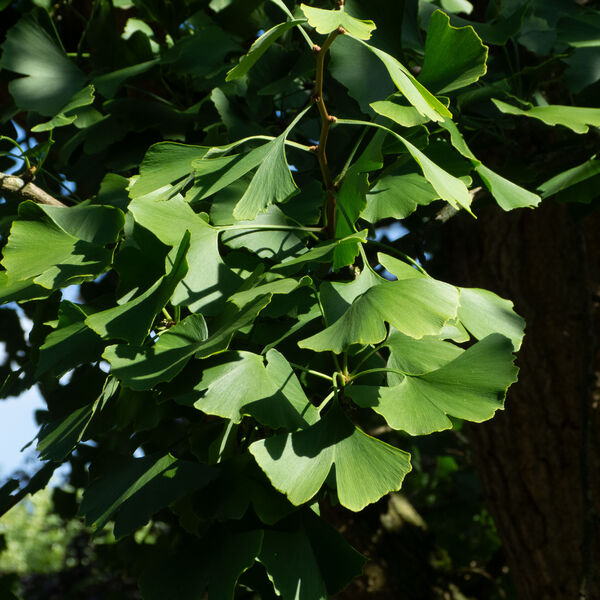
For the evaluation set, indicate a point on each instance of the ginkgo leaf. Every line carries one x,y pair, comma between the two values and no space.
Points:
164,170
319,562
272,182
406,116
449,188
132,320
472,387
259,47
421,98
137,488
51,79
279,286
482,312
577,118
507,194
416,307
208,278
326,21
243,385
70,344
365,468
397,196
454,56
141,368
50,257
571,177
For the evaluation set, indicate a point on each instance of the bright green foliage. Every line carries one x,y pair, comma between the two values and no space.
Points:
238,341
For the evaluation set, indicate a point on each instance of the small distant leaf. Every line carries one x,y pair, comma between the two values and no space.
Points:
259,47
455,57
365,468
272,182
326,21
578,119
472,387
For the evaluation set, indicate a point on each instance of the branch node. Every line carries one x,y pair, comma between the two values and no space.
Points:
341,30
316,48
332,119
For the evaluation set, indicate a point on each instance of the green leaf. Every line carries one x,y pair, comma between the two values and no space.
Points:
326,21
108,84
422,99
51,79
242,385
320,253
449,188
578,119
165,169
416,307
20,290
507,194
406,116
132,320
482,312
472,387
259,47
416,357
141,368
71,344
397,196
188,571
570,178
208,279
58,438
90,223
137,488
365,468
279,286
272,182
455,57
85,97
48,256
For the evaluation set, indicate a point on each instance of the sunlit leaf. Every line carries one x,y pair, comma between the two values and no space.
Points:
472,387
454,56
326,21
577,118
365,468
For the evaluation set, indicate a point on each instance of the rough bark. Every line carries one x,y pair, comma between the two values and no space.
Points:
538,460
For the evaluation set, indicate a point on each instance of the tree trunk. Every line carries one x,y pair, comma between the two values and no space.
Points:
539,459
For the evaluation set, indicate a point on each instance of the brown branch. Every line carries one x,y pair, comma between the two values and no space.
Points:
26,190
326,121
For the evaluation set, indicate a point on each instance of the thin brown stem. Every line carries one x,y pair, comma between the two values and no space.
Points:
326,122
26,190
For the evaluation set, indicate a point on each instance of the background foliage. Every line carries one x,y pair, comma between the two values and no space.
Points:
236,301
